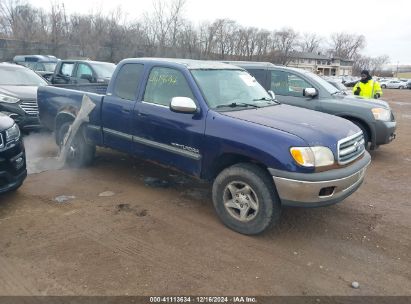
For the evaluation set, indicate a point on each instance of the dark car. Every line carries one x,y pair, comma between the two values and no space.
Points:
300,88
43,65
12,156
82,72
339,85
18,94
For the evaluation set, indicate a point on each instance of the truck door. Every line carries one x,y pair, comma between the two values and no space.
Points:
288,88
118,105
162,135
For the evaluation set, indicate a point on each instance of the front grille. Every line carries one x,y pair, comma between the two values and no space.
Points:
350,148
30,107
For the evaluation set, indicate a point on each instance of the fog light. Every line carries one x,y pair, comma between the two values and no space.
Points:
327,191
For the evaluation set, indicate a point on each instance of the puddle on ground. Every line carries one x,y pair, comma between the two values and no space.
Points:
156,182
64,198
134,210
38,165
401,103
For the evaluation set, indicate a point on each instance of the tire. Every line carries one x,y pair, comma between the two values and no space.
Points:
383,86
401,87
366,134
82,153
249,192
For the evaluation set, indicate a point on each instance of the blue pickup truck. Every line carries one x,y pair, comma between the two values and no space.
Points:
215,122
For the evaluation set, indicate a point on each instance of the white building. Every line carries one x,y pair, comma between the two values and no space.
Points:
321,64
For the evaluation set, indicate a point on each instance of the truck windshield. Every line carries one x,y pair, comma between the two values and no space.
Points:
104,70
47,66
228,89
18,76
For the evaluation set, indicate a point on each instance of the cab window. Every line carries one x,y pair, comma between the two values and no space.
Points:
127,81
84,69
164,84
67,69
288,84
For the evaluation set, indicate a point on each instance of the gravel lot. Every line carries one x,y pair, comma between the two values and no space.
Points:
121,232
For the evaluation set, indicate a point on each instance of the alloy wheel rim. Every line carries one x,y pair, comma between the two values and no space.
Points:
240,201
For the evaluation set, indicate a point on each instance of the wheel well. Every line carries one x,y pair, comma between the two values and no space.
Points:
362,123
227,160
60,120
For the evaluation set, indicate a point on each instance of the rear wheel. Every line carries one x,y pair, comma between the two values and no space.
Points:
401,87
80,153
383,86
245,199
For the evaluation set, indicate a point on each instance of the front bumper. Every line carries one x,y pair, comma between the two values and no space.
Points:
10,182
12,167
24,120
322,188
385,132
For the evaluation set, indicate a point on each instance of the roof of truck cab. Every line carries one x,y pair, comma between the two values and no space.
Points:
190,64
253,64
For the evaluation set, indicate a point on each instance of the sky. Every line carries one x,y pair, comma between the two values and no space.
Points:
385,24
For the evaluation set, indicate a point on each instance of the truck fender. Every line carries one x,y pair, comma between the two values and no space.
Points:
369,128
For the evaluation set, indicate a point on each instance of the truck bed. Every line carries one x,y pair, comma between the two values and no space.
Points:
53,100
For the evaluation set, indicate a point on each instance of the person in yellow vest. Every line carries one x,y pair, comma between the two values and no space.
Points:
367,87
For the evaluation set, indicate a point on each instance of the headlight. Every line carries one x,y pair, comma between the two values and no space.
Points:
381,114
312,156
12,133
8,99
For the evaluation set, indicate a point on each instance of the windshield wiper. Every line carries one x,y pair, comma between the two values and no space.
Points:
266,99
237,104
338,92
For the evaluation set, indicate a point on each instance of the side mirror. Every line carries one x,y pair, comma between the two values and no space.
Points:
310,92
183,105
272,94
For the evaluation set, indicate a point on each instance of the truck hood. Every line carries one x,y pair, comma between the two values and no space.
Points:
364,102
315,128
20,92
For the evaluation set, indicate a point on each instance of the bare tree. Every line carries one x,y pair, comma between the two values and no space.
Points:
372,64
347,46
284,44
165,22
310,42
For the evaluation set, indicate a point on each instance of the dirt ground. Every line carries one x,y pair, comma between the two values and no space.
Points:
163,238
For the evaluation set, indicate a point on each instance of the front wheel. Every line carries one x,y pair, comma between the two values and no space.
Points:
80,153
383,86
401,87
245,199
366,134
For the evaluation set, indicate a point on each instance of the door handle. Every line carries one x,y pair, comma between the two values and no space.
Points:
125,110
